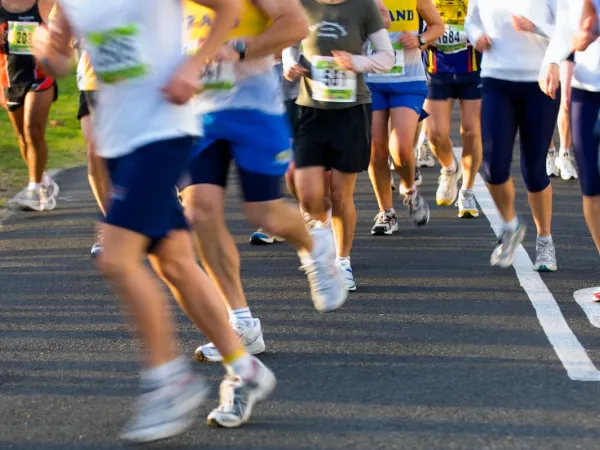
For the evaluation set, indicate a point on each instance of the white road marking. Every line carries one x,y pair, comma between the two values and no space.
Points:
590,308
569,350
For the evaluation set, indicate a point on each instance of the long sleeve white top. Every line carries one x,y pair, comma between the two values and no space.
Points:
513,55
586,74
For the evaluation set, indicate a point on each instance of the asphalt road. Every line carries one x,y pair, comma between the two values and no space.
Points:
434,351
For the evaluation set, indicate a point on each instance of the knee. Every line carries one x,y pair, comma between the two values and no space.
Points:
263,215
34,133
341,198
173,269
535,178
470,132
380,151
495,173
111,266
202,212
437,136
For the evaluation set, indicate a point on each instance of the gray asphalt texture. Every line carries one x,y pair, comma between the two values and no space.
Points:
435,350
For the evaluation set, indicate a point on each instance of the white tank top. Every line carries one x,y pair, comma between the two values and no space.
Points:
135,46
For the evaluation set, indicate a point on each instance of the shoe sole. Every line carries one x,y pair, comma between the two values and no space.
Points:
384,233
544,268
468,214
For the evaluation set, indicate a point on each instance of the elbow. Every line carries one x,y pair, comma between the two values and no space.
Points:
387,64
298,28
438,30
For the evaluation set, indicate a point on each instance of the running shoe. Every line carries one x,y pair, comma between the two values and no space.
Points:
52,189
249,332
166,411
237,397
425,157
596,295
565,167
447,191
467,206
260,237
98,246
545,260
504,253
418,209
385,223
347,274
551,168
327,286
35,200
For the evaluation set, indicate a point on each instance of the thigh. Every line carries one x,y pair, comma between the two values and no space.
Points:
351,139
470,116
584,113
17,119
440,114
499,122
342,184
312,145
380,134
404,127
37,108
143,197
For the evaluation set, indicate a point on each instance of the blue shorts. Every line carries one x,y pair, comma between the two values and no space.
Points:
409,95
143,195
259,144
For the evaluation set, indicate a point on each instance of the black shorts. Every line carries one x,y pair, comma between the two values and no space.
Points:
334,138
571,57
292,114
15,95
440,89
87,102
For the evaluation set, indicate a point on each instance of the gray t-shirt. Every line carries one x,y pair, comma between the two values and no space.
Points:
288,88
336,26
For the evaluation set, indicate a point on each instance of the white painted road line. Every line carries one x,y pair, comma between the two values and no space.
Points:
590,308
569,350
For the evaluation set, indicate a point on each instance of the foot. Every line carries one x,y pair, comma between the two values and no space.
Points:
504,253
35,200
551,168
545,260
425,156
596,295
385,223
565,167
418,181
249,332
418,209
347,274
327,287
260,237
166,411
467,206
98,246
447,191
237,397
52,188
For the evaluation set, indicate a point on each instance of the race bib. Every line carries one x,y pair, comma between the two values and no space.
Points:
218,76
398,68
20,37
330,83
118,55
453,40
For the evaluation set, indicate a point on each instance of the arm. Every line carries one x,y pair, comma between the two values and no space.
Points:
290,56
52,46
385,14
560,46
588,27
383,58
431,16
46,7
543,29
289,25
473,24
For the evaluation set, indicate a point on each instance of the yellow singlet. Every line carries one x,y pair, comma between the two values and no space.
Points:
404,16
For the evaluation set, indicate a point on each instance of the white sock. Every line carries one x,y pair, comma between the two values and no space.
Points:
512,225
564,152
245,366
343,258
552,149
241,314
452,168
161,375
46,180
33,186
545,239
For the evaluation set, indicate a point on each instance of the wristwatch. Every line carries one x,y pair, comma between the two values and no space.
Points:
422,41
240,47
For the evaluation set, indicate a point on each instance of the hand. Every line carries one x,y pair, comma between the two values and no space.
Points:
409,41
343,59
586,35
521,23
295,72
483,43
42,42
184,82
227,53
551,81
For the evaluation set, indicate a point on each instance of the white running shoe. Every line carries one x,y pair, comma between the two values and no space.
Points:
53,189
467,206
249,332
386,223
237,397
545,259
327,286
447,191
565,167
504,253
418,209
347,274
166,411
34,200
551,168
425,156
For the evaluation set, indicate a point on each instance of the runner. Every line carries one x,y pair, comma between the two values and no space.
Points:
290,94
97,174
28,94
335,112
513,101
585,96
453,73
560,163
244,119
398,98
145,132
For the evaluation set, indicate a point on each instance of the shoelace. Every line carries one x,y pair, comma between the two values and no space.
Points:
383,217
544,251
227,392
